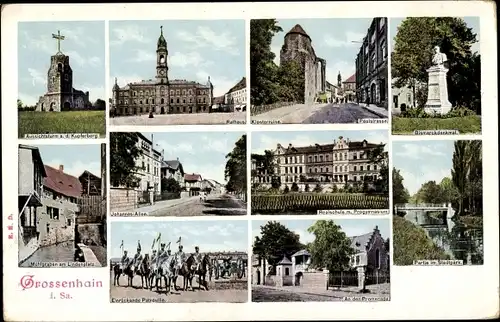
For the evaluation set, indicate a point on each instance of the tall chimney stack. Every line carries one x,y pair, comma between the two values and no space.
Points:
61,167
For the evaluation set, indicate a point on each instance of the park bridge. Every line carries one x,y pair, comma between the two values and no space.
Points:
445,207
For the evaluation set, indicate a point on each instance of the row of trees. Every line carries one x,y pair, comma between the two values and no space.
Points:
463,188
99,104
331,248
236,167
270,83
413,51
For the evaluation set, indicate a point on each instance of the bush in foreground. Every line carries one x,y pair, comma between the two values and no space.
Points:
412,243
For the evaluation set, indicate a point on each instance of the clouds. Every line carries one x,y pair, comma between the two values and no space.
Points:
206,37
202,153
349,39
128,33
196,50
210,236
335,40
83,43
423,161
417,151
76,168
75,158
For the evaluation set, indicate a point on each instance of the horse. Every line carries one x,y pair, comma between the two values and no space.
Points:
129,272
118,271
166,270
186,271
205,265
144,271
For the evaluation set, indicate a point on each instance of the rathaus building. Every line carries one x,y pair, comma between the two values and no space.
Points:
162,95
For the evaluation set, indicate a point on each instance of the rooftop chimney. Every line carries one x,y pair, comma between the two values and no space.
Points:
61,167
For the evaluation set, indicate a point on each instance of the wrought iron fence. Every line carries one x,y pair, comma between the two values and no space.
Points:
342,279
143,197
377,277
256,110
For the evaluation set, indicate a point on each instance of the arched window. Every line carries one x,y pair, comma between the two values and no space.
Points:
152,101
59,67
147,101
177,101
184,101
172,100
162,59
162,101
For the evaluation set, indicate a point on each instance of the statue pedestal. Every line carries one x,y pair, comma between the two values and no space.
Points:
437,96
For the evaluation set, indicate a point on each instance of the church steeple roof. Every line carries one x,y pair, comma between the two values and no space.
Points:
297,29
161,40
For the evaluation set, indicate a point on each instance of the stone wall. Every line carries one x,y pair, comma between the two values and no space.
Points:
91,234
55,231
122,199
314,279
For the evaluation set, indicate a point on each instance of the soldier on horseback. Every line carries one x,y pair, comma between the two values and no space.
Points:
138,257
125,260
181,258
197,257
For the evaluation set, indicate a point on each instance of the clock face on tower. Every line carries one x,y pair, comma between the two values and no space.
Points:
162,72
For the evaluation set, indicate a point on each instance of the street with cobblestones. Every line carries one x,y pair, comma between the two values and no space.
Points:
317,114
217,205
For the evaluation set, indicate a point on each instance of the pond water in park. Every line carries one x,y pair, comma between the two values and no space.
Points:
458,241
62,252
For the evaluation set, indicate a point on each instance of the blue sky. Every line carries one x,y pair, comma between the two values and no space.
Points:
268,140
332,40
352,227
199,152
75,158
472,22
196,49
422,161
220,235
83,43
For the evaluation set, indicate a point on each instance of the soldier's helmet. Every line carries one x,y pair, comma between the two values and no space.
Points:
181,247
162,245
169,251
125,252
197,248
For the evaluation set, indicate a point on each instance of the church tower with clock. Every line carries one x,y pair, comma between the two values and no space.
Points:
161,87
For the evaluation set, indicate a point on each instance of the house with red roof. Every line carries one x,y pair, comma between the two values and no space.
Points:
193,183
349,88
48,203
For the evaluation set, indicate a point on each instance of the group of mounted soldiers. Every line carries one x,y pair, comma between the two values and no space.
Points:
159,257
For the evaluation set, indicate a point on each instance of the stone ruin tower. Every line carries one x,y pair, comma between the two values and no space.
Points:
298,47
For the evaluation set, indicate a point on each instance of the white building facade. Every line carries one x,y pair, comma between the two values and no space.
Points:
149,163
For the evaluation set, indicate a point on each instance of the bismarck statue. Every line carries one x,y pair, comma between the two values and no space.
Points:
437,96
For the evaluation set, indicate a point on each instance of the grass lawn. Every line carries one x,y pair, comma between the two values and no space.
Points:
466,124
62,122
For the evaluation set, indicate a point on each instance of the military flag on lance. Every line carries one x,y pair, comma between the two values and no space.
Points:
156,241
168,245
139,246
179,241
